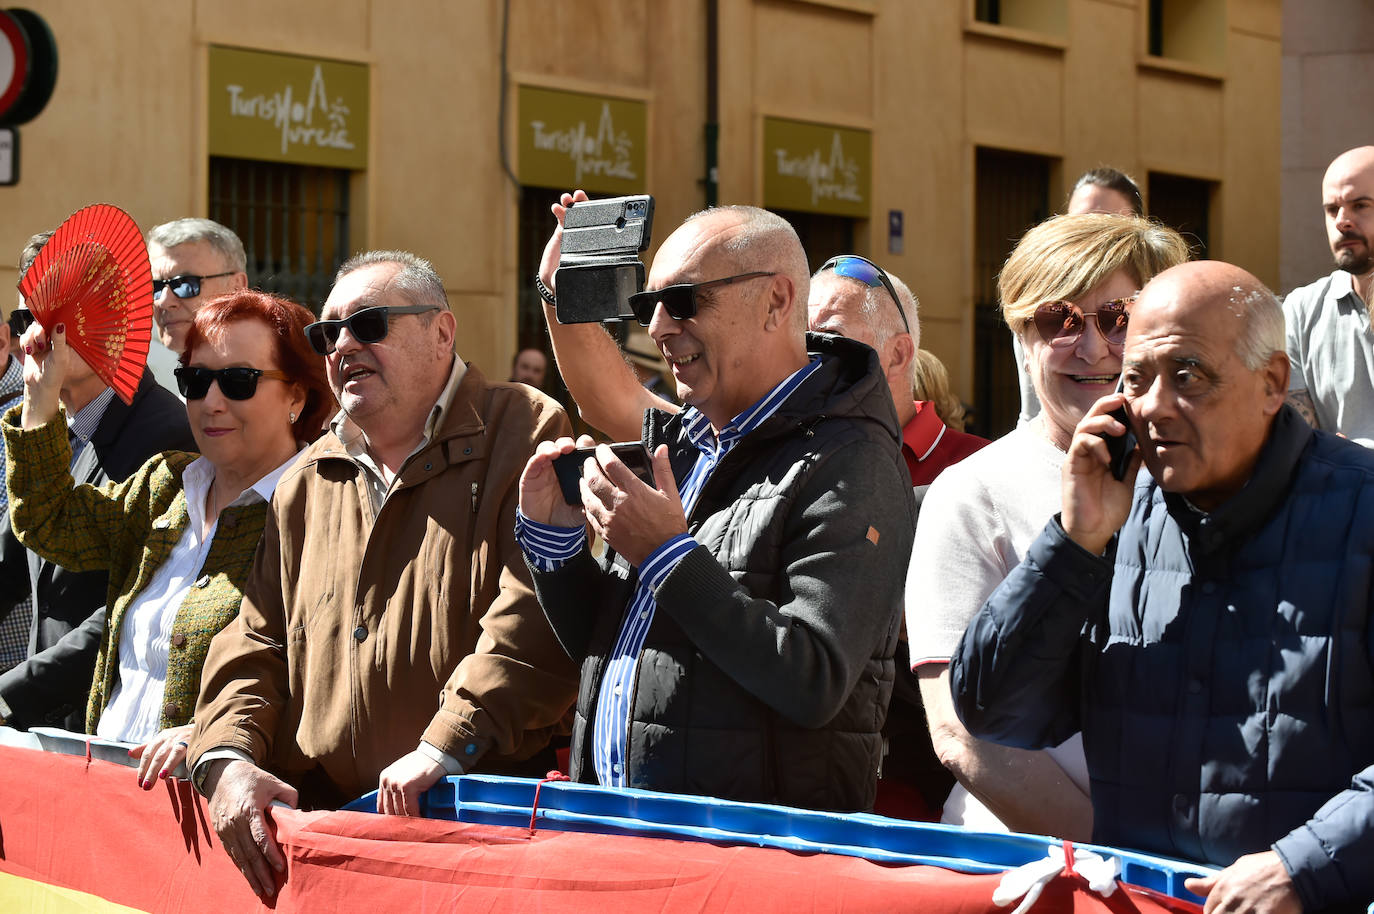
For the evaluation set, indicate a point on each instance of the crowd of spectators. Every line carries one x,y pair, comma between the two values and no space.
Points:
348,564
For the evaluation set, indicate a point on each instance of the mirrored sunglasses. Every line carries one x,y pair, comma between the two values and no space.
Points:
680,300
184,286
236,383
1059,323
852,266
370,325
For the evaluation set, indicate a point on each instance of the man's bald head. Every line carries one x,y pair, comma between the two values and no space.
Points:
1348,205
1352,161
756,239
749,328
1204,287
1205,373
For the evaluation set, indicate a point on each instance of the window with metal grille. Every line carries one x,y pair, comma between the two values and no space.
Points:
293,220
1012,193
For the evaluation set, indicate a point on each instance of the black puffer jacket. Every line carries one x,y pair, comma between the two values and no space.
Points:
767,671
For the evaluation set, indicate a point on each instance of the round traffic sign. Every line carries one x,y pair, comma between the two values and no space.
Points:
14,62
41,68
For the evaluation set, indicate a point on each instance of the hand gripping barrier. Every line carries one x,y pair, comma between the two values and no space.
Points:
565,806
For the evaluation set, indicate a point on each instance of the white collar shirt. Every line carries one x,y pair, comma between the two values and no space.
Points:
379,479
135,708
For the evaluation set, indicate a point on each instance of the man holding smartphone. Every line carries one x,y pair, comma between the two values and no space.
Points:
737,637
1206,626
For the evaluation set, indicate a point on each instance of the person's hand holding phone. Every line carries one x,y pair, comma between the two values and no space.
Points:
553,249
541,497
632,517
1095,500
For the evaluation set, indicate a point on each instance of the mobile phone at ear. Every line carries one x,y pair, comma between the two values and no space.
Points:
1120,447
568,467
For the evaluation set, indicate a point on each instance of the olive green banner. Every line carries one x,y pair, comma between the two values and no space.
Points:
284,108
816,168
570,140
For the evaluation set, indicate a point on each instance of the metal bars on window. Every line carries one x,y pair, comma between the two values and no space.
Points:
293,220
1012,192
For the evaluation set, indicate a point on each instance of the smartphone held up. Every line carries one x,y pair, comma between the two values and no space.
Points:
599,266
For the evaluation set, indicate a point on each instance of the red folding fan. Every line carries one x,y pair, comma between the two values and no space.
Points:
94,276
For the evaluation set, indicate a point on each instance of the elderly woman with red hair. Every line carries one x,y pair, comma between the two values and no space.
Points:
177,537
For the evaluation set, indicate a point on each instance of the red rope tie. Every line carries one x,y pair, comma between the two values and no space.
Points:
551,776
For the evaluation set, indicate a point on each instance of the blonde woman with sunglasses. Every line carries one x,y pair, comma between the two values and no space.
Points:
1065,292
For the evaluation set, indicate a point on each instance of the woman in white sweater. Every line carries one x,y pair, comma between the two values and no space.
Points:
1065,292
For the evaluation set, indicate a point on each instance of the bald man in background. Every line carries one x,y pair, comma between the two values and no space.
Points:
1330,340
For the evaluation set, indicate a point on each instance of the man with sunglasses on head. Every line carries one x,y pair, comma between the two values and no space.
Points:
737,636
853,297
61,614
193,261
389,634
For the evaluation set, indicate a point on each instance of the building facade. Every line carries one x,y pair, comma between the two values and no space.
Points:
926,134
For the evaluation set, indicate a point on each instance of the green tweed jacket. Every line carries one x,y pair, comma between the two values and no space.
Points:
129,529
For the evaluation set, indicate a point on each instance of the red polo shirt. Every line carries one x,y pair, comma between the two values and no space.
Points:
929,445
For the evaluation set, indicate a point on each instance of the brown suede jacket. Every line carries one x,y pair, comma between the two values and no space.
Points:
361,635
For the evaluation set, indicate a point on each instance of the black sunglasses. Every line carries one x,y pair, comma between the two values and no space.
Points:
852,266
184,286
367,326
680,300
20,319
235,383
1059,323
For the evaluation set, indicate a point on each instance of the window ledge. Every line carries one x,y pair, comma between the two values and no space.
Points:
1181,67
862,7
1015,35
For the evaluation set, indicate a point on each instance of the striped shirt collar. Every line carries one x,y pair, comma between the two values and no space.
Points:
84,423
12,381
698,427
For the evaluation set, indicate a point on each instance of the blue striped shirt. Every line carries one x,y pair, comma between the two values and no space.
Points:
549,547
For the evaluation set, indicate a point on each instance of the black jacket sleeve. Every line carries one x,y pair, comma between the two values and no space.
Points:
50,686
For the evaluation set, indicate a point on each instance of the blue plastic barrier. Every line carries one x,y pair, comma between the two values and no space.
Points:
491,800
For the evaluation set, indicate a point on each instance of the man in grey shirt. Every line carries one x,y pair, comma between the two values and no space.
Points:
1330,340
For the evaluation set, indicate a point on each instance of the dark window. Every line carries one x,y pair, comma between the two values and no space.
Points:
535,226
821,236
293,220
1012,194
1183,204
988,11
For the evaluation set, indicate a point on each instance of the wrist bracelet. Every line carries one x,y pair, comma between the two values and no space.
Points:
544,291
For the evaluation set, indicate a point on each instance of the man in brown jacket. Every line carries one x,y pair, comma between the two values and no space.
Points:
389,633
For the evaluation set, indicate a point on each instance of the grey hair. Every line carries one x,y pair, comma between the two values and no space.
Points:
877,314
1262,332
417,279
30,253
186,231
767,241
889,325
